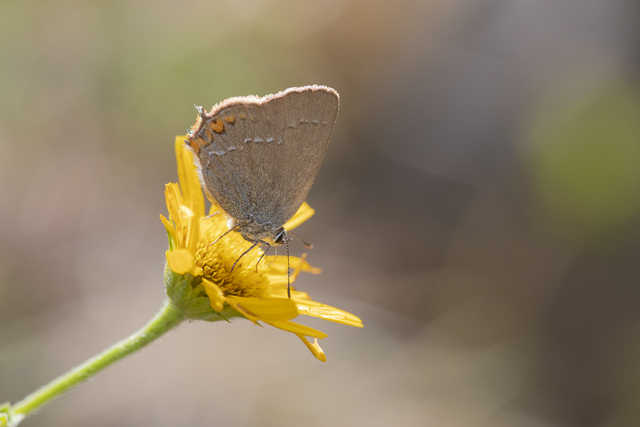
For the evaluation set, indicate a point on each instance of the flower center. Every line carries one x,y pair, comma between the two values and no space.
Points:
217,260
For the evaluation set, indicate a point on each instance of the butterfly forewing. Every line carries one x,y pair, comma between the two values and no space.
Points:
258,157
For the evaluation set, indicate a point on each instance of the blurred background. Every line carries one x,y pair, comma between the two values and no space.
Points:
478,208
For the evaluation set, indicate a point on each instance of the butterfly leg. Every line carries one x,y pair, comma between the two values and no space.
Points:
224,234
264,253
256,243
244,253
275,257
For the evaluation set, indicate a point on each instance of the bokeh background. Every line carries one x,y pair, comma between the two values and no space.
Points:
478,208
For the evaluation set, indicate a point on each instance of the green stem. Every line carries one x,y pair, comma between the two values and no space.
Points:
165,319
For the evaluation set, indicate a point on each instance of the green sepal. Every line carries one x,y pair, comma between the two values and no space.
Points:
190,298
229,312
198,308
183,293
226,314
172,244
178,288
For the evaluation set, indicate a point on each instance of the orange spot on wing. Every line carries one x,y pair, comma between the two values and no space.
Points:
194,144
218,125
230,119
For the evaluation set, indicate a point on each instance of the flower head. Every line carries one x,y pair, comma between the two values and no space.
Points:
203,282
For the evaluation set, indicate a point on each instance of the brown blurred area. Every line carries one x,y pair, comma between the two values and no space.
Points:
478,208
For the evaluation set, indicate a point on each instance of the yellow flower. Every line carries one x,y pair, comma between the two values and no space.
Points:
200,280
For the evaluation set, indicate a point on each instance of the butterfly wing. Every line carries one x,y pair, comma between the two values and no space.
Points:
258,157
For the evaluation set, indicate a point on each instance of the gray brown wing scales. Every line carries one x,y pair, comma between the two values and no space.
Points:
258,157
310,119
224,159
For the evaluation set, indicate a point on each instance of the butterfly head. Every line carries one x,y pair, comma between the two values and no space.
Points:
253,231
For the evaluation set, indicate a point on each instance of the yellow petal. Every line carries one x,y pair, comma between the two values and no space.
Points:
215,294
326,312
297,328
185,213
188,177
171,230
173,198
246,313
280,290
181,261
304,213
193,227
315,348
268,310
298,268
191,201
277,279
279,265
193,234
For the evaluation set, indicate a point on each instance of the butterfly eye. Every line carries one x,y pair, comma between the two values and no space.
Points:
280,237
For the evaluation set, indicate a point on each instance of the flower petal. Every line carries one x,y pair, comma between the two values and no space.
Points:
192,222
304,213
188,177
297,328
279,265
326,312
181,261
171,230
280,290
174,200
215,294
268,310
315,348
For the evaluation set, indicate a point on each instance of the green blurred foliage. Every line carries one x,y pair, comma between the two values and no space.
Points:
586,161
126,75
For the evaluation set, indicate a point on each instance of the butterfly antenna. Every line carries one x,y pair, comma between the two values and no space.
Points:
305,244
286,241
